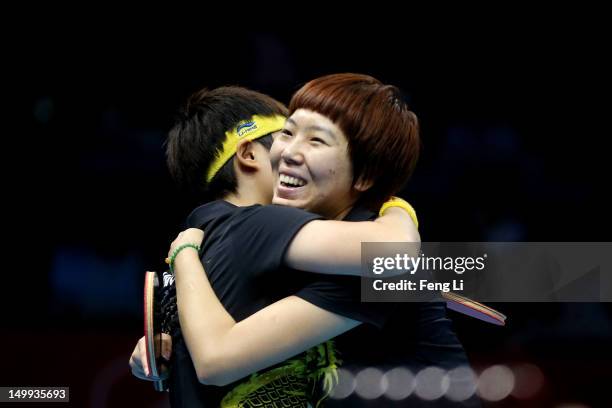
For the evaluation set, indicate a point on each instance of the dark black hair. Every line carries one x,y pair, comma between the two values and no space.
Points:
199,132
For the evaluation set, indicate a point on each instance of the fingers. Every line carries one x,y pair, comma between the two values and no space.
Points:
137,370
196,235
138,359
136,363
166,346
164,373
188,236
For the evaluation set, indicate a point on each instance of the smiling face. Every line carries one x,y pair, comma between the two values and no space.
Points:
312,168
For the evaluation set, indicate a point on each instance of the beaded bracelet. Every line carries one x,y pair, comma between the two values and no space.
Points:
170,261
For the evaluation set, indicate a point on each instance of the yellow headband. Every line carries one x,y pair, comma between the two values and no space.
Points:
252,129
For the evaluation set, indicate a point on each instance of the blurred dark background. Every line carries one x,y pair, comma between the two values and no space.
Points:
514,149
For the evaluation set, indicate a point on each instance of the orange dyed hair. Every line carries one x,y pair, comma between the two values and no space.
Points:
382,132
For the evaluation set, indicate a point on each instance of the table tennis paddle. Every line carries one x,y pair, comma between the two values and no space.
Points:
474,309
152,329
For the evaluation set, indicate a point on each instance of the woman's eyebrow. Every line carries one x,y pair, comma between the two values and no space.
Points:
321,129
315,128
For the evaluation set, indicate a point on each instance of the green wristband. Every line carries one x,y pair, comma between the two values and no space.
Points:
179,249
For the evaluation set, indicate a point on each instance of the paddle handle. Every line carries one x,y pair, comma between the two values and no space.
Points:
159,385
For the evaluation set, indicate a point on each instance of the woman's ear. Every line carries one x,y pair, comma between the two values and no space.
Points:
245,156
362,184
